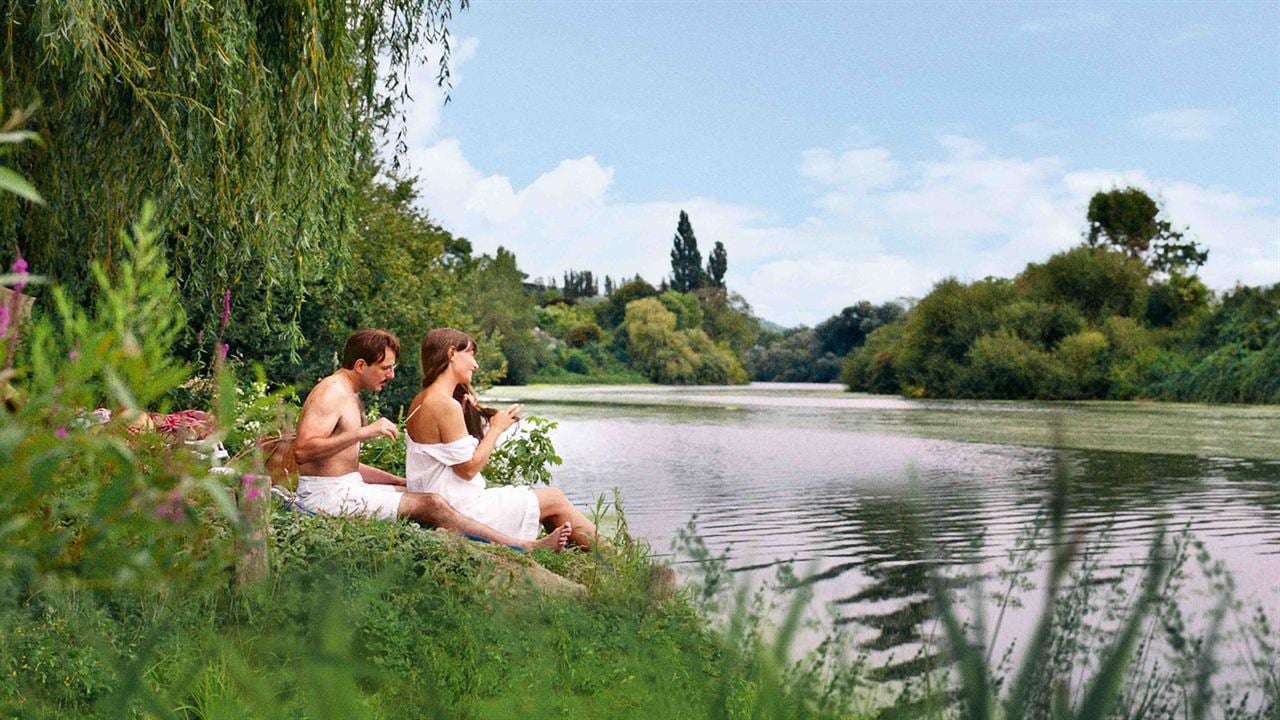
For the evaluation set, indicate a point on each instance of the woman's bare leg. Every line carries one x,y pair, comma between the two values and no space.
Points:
556,510
434,511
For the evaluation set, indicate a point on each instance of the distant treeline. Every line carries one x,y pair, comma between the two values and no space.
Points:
285,232
1121,317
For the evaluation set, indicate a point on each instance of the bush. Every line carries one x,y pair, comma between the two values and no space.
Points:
1003,365
580,335
942,328
1096,281
1040,323
675,357
871,368
685,307
1080,365
577,363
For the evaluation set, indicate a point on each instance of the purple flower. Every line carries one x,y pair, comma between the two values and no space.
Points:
252,487
19,268
226,307
60,433
74,355
171,508
223,349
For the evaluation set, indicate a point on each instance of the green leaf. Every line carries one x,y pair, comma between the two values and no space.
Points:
14,137
14,183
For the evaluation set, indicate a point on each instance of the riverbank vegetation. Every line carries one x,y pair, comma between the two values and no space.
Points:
139,580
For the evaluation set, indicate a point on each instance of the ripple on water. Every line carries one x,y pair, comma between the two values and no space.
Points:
840,488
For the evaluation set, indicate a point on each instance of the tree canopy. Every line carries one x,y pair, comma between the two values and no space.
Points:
251,123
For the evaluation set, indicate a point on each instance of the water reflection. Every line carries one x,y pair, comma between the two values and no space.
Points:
863,498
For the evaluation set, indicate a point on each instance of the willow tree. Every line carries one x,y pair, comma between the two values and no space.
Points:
251,123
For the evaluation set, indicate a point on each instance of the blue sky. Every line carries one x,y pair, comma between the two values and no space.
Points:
847,151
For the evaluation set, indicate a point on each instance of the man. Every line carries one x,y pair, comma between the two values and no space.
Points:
332,480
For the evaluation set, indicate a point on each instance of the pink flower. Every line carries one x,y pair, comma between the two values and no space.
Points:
19,268
60,433
223,349
4,320
252,487
74,355
171,508
226,307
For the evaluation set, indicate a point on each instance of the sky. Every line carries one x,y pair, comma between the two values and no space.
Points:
847,151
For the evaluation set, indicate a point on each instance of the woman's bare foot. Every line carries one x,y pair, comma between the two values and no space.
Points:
554,540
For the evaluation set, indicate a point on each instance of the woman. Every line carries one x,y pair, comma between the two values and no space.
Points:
449,444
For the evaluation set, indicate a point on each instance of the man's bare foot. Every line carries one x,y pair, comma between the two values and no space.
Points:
554,540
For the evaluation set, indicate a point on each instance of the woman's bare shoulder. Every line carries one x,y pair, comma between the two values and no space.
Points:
441,405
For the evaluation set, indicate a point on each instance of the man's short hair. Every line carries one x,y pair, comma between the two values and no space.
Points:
370,346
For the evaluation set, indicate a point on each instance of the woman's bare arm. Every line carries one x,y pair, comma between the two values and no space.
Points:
454,427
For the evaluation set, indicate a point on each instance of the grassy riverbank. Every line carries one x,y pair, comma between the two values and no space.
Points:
375,619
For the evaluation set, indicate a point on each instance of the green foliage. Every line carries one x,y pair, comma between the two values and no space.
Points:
941,329
1002,365
717,266
849,328
1128,220
611,314
873,367
1043,324
1096,281
727,319
495,297
10,138
685,307
248,123
407,275
90,505
686,260
1082,361
794,356
670,356
1176,299
524,457
1091,322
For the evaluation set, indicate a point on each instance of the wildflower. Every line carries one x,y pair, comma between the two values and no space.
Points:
223,349
60,433
74,355
4,320
226,307
171,508
19,268
252,487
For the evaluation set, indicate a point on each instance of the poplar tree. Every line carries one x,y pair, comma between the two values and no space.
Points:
717,264
686,261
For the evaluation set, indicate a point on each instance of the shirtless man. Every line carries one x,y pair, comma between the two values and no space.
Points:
330,429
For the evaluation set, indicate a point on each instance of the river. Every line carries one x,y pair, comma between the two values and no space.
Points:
827,480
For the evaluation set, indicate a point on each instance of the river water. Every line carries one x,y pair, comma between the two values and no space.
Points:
827,481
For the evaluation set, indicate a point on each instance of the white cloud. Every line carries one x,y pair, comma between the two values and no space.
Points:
881,227
1185,124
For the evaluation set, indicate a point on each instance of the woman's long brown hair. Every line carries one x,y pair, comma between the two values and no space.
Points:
435,360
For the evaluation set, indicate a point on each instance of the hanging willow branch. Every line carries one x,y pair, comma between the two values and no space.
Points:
249,122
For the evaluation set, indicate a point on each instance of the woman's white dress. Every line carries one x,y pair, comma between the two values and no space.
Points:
428,468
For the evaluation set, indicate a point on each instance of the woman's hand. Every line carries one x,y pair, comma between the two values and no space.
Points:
504,419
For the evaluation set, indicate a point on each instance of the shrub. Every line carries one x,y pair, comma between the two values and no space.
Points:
1081,364
1038,322
942,328
871,368
1097,281
580,335
1002,365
